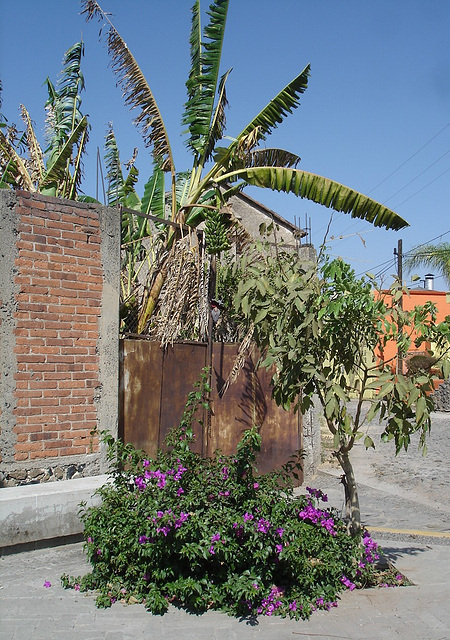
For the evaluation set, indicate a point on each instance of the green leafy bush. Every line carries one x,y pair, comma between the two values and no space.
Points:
211,533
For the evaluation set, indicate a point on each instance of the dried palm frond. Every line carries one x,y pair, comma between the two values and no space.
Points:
245,348
13,170
177,315
204,265
135,89
36,157
271,158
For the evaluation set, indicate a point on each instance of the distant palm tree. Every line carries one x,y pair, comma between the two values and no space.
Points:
430,256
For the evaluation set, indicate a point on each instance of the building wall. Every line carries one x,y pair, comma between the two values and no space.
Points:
59,277
419,297
252,214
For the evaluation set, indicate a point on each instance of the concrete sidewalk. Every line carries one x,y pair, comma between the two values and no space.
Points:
29,611
413,531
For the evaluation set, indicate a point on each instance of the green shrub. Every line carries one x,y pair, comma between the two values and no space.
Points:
211,533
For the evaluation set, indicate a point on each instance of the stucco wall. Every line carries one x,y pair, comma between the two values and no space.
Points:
59,277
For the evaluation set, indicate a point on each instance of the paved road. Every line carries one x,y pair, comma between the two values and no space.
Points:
395,494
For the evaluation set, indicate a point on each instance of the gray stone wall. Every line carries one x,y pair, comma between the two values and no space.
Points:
441,397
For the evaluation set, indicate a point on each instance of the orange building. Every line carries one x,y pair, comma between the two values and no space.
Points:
418,297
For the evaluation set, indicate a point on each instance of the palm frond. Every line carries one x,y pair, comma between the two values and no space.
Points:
203,79
182,188
195,41
245,349
219,120
63,103
135,90
277,109
153,200
430,256
114,175
36,157
266,158
329,193
55,174
13,171
74,181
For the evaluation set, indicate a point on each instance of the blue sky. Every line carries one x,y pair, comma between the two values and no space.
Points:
375,116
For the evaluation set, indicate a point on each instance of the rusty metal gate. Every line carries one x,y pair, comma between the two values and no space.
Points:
154,385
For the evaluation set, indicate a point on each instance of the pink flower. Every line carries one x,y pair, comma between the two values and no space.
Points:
47,584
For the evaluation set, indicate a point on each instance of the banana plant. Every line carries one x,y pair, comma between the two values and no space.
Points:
57,170
137,237
219,170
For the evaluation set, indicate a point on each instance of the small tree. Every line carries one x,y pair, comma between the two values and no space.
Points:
324,332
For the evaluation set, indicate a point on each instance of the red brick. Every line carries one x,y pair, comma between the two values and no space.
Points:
73,451
32,393
47,402
38,420
55,223
23,245
30,411
19,457
27,428
35,437
24,357
27,446
42,454
69,401
42,384
22,402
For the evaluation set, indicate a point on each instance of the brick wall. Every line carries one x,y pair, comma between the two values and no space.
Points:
59,315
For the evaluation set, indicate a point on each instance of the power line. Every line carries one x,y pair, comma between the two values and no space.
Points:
441,235
417,177
410,158
419,190
399,167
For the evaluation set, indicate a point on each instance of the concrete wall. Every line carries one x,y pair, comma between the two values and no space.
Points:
252,214
59,280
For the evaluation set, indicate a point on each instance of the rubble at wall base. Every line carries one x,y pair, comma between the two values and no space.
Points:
54,473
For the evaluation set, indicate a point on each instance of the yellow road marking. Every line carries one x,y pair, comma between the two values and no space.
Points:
411,532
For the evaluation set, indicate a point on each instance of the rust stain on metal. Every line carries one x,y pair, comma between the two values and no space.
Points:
155,384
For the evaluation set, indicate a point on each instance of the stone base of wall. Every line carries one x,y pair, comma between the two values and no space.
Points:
441,397
53,471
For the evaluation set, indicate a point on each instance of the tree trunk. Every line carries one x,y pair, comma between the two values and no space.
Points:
150,303
351,493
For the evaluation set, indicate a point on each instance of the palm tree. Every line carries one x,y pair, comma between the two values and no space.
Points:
218,171
57,171
430,256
